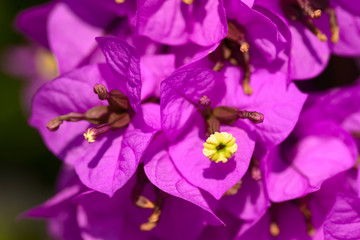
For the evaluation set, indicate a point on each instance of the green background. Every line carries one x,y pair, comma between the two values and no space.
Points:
28,170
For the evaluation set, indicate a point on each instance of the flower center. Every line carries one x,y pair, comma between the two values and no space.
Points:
114,116
219,147
119,1
306,10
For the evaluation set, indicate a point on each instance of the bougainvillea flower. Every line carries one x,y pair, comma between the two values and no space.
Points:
262,35
187,129
161,171
253,41
325,134
101,165
76,212
270,92
343,102
108,163
317,28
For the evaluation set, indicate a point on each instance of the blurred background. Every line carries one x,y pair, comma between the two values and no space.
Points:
28,170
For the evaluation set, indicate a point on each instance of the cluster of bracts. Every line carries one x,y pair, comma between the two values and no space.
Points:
181,119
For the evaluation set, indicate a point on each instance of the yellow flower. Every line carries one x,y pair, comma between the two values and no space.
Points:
219,147
89,135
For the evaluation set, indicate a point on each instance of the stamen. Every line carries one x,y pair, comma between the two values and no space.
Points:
244,47
188,1
274,226
234,190
308,9
304,11
155,216
274,229
111,117
92,133
219,147
218,66
143,202
136,197
226,52
334,27
119,1
237,34
305,210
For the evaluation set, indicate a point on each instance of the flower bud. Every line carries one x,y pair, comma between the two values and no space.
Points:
226,115
101,91
254,117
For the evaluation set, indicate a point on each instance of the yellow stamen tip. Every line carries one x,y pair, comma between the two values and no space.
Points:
119,1
188,1
89,135
335,36
244,47
317,13
274,229
321,37
247,88
219,147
